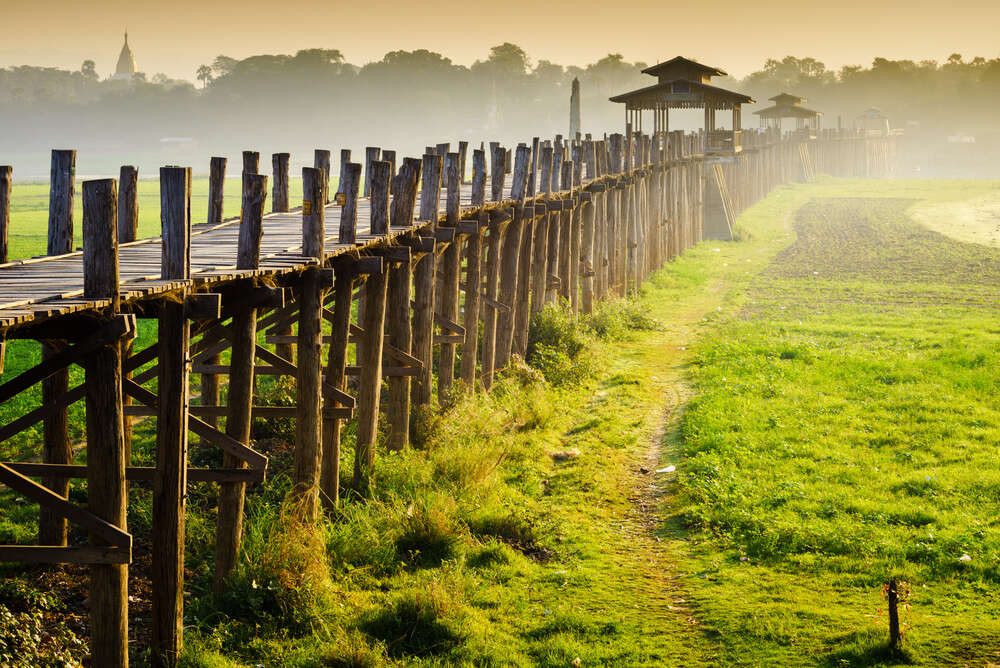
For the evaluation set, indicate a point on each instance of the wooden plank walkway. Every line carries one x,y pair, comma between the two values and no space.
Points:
45,287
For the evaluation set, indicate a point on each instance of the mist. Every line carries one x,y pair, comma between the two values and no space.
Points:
407,100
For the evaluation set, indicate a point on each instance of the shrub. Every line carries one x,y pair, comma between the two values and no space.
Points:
417,624
26,641
430,534
612,320
280,391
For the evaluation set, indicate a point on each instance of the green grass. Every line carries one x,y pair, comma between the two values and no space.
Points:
29,212
828,430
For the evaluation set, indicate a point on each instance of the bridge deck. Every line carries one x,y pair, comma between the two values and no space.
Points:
44,287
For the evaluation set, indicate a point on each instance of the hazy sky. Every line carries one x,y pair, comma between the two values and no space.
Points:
176,36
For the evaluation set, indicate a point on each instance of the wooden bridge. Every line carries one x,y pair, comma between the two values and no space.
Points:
445,289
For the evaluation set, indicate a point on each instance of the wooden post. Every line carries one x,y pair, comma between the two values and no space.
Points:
892,598
404,196
587,258
279,170
343,287
510,260
128,222
565,230
400,337
424,279
128,204
372,154
56,448
370,382
493,250
390,157
308,425
450,272
380,174
216,189
345,159
539,277
321,160
106,492
348,230
229,523
170,477
473,274
6,187
522,298
463,149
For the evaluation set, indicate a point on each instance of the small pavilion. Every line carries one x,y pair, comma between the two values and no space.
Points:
789,106
686,84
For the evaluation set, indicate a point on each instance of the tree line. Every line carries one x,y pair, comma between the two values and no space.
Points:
411,98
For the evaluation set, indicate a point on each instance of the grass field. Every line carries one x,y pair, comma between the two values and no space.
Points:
824,391
29,211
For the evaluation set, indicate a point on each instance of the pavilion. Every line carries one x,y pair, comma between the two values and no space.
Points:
789,106
687,84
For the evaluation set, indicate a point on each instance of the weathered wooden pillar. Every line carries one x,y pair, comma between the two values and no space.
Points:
370,381
345,159
216,189
463,150
400,337
509,260
56,448
343,288
372,154
565,233
378,189
128,224
170,477
6,188
473,274
494,246
229,523
106,491
404,193
424,276
451,261
390,157
540,238
279,171
321,160
522,298
587,255
308,399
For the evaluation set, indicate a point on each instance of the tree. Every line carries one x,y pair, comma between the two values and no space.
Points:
89,70
204,75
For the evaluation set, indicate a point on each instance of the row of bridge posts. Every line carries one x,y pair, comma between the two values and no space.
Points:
582,221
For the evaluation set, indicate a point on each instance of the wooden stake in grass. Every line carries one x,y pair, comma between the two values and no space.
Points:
892,597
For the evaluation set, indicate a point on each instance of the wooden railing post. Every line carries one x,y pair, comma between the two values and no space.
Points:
424,275
279,171
56,448
345,159
321,160
128,224
473,274
6,188
372,154
229,523
540,242
380,175
308,426
522,297
216,189
170,478
510,260
493,251
106,492
451,261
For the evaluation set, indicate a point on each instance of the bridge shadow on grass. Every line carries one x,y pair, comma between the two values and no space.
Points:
866,648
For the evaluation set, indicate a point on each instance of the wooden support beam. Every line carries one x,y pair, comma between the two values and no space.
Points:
370,382
424,275
404,193
229,523
335,379
321,160
380,175
494,244
308,381
399,339
279,170
540,238
216,189
473,273
106,493
137,474
170,479
56,448
509,260
450,269
349,212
